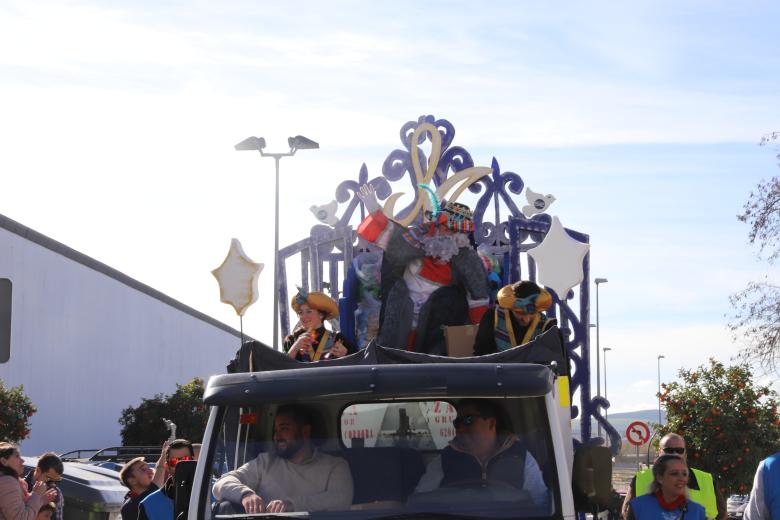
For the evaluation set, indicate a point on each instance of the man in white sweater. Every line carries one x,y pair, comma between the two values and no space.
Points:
294,477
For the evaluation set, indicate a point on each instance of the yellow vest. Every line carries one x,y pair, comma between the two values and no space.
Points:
705,495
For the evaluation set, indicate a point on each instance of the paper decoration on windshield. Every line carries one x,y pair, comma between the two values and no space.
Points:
559,260
237,278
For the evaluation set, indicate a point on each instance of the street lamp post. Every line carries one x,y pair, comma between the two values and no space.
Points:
605,349
660,357
598,281
296,143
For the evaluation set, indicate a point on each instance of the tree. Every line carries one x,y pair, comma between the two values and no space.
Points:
756,309
728,422
16,409
144,426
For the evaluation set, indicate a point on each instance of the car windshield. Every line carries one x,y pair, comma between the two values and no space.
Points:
486,458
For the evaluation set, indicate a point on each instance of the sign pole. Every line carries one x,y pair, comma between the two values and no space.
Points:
637,457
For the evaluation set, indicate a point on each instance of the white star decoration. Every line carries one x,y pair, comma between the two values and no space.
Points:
237,277
559,259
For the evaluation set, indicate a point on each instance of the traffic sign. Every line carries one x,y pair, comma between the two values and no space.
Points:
638,433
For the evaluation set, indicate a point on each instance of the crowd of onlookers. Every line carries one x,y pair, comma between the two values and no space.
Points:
673,490
34,496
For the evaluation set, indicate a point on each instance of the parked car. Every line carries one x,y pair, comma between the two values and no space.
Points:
735,506
91,492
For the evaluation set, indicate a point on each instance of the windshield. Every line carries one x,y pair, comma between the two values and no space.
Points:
472,458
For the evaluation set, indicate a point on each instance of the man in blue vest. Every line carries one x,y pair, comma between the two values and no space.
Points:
701,485
483,451
764,502
159,505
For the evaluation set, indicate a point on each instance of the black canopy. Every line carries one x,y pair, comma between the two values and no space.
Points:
545,349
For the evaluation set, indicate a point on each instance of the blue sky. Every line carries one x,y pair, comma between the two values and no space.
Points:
642,118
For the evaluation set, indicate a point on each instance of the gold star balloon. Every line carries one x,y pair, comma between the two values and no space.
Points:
237,278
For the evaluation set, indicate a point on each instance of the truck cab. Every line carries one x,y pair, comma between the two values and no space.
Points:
389,415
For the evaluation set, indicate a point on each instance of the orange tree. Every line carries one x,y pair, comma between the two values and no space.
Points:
15,412
728,422
143,425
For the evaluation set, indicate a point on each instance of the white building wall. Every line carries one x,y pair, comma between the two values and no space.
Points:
85,346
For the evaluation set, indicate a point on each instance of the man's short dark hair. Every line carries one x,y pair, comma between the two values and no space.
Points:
49,461
485,408
182,443
300,414
127,470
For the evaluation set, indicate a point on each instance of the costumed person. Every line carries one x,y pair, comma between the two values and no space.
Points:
517,318
667,498
311,341
430,277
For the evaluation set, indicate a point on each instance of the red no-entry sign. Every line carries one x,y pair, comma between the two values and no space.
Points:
638,433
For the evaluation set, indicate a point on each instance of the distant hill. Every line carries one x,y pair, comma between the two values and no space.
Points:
621,420
640,415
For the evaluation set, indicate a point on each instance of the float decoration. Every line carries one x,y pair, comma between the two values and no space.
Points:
559,260
237,278
334,260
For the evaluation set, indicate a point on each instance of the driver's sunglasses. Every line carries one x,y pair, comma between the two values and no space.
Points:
466,420
172,462
672,451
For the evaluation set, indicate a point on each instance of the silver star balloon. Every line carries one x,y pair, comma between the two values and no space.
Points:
559,259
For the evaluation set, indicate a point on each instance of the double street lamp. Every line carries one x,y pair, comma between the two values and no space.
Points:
598,281
296,143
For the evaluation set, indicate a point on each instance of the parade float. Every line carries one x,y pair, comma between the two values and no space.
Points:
385,406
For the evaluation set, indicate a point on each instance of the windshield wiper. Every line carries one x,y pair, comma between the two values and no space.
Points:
435,515
260,516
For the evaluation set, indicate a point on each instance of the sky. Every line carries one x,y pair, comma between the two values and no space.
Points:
118,121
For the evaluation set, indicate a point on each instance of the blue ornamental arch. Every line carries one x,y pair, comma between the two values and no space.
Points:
326,256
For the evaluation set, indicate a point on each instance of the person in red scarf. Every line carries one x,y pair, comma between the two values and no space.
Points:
667,499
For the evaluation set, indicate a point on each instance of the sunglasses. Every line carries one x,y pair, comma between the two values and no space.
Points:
670,451
466,420
172,462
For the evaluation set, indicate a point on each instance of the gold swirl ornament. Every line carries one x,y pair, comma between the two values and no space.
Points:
465,177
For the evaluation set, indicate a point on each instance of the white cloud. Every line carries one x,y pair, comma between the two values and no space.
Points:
643,384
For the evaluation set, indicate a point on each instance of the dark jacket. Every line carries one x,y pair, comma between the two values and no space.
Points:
337,336
132,501
485,342
506,466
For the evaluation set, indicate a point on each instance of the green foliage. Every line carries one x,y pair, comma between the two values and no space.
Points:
15,412
729,423
144,426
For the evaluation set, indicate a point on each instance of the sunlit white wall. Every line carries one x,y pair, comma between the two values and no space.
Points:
85,346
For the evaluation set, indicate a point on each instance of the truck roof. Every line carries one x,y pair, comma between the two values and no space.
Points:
381,382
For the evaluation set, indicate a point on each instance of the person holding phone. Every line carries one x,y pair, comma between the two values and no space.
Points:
16,502
49,470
